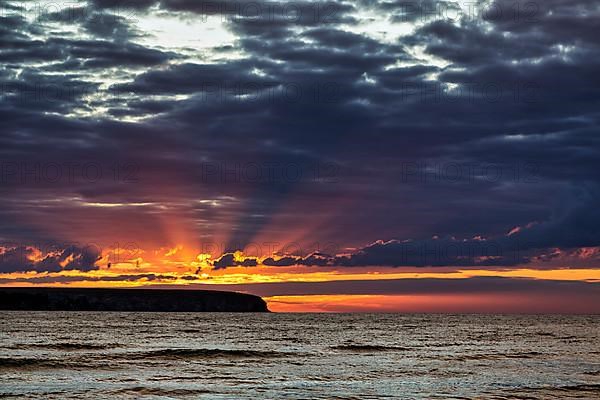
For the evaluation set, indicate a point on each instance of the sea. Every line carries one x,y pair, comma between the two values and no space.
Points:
104,355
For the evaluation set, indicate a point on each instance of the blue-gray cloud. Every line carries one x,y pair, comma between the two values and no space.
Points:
458,127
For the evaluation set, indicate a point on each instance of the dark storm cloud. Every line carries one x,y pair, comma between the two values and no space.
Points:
473,44
552,22
433,252
113,27
25,259
574,224
420,253
282,262
464,126
102,54
196,78
228,260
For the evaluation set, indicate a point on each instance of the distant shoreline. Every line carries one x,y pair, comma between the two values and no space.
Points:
141,300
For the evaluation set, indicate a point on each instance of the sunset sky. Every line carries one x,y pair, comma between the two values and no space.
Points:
368,155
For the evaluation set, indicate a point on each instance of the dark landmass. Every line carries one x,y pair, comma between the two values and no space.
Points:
154,300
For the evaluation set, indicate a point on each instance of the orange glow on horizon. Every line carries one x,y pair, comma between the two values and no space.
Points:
183,267
261,274
434,303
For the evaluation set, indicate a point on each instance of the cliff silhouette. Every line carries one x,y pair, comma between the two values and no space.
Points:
151,300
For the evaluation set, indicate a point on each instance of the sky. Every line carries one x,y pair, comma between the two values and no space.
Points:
368,155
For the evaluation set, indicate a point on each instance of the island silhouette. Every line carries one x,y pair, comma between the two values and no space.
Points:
142,300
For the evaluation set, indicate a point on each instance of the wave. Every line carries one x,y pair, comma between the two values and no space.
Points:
498,356
191,331
38,363
594,388
367,348
205,353
593,373
69,346
154,391
582,391
21,362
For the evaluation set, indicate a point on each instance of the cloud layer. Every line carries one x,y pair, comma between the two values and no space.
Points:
379,122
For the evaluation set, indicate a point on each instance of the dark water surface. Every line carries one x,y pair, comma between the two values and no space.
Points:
297,356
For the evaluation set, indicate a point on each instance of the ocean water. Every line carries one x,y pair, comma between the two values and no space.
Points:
297,356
